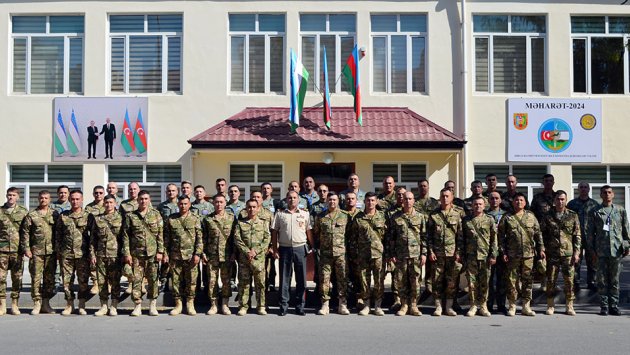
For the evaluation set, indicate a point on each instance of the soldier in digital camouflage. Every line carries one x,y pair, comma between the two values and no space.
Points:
389,263
127,206
584,206
94,208
11,253
387,197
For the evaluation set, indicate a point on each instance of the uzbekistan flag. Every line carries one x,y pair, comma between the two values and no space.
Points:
127,139
60,137
351,72
299,80
327,108
73,138
139,137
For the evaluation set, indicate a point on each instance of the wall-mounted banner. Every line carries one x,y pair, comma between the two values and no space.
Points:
100,128
555,130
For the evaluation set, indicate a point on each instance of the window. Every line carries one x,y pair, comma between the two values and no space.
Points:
529,176
248,177
47,54
617,176
405,174
152,178
509,53
600,54
399,53
336,33
256,53
31,179
146,53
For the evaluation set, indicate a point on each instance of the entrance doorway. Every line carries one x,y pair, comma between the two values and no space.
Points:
334,175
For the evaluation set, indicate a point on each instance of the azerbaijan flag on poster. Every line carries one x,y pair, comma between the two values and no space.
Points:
127,139
139,136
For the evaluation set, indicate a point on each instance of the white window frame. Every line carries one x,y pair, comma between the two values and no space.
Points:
246,35
26,185
126,36
409,185
66,56
124,185
595,186
532,187
245,186
528,56
388,73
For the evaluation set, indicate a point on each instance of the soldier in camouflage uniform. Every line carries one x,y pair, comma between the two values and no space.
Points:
127,206
218,249
200,206
143,247
319,207
425,203
309,193
37,241
72,240
560,228
584,206
507,198
351,257
187,189
390,264
95,208
112,189
166,209
183,246
481,250
406,246
367,235
105,246
330,235
62,203
541,204
608,236
353,186
450,184
387,197
498,286
11,253
445,244
491,185
476,188
271,205
520,238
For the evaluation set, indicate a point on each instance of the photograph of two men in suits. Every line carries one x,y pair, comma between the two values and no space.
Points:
109,130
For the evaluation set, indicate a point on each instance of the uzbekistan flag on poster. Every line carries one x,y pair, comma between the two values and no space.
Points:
59,136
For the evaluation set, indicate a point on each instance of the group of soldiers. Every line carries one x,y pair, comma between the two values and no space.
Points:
497,240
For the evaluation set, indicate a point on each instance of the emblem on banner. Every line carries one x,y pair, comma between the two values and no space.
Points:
520,121
555,135
588,121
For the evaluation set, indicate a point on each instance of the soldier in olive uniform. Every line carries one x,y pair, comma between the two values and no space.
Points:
252,237
353,186
584,206
330,235
520,238
387,197
542,203
476,188
127,206
608,236
309,193
390,264
560,228
450,184
498,286
105,246
406,247
11,253
72,240
200,206
166,209
95,208
491,185
507,198
480,235
143,247
425,203
37,242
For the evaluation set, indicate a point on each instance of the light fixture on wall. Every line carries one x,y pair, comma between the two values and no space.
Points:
328,157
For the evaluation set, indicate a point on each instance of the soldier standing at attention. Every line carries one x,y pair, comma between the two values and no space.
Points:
143,247
584,206
11,253
353,186
62,203
542,202
391,264
387,197
425,203
95,208
480,236
309,193
187,189
112,189
476,189
520,237
450,184
235,205
72,239
491,185
167,208
37,242
560,228
127,206
608,236
510,193
497,275
105,246
200,206
221,186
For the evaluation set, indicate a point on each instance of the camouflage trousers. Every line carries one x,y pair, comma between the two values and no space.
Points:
11,262
408,279
108,271
391,266
445,270
145,267
554,265
184,271
70,267
478,274
216,270
368,270
42,269
326,266
520,269
246,271
608,269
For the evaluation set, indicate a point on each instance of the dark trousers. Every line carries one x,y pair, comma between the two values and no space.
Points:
498,288
292,259
92,148
109,146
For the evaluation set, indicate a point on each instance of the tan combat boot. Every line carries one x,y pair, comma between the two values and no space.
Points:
449,308
343,307
113,309
527,311
137,310
472,311
324,310
414,310
103,310
483,310
69,308
15,308
550,307
511,309
225,308
396,305
378,311
262,311
153,308
82,307
177,309
213,308
190,307
365,309
438,308
37,306
403,309
3,307
570,311
360,304
242,311
94,289
46,308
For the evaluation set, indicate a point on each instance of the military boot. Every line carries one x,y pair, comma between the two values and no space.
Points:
177,309
190,307
365,310
103,310
570,311
137,310
94,289
3,307
403,309
472,311
15,309
449,308
483,310
527,311
225,308
414,310
261,311
113,309
82,307
46,308
153,308
69,308
37,306
550,307
511,312
343,307
213,308
242,311
378,311
324,310
438,308
396,305
360,305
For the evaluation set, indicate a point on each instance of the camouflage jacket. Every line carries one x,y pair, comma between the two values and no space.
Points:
330,233
10,228
360,198
37,232
426,205
128,205
183,236
583,208
506,202
202,208
541,204
520,237
318,208
263,214
106,235
367,235
310,198
469,202
561,233
252,234
94,208
615,241
444,232
72,235
235,208
386,201
480,237
272,205
167,208
406,236
143,235
218,242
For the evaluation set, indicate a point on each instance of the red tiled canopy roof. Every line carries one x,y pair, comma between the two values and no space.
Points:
383,128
